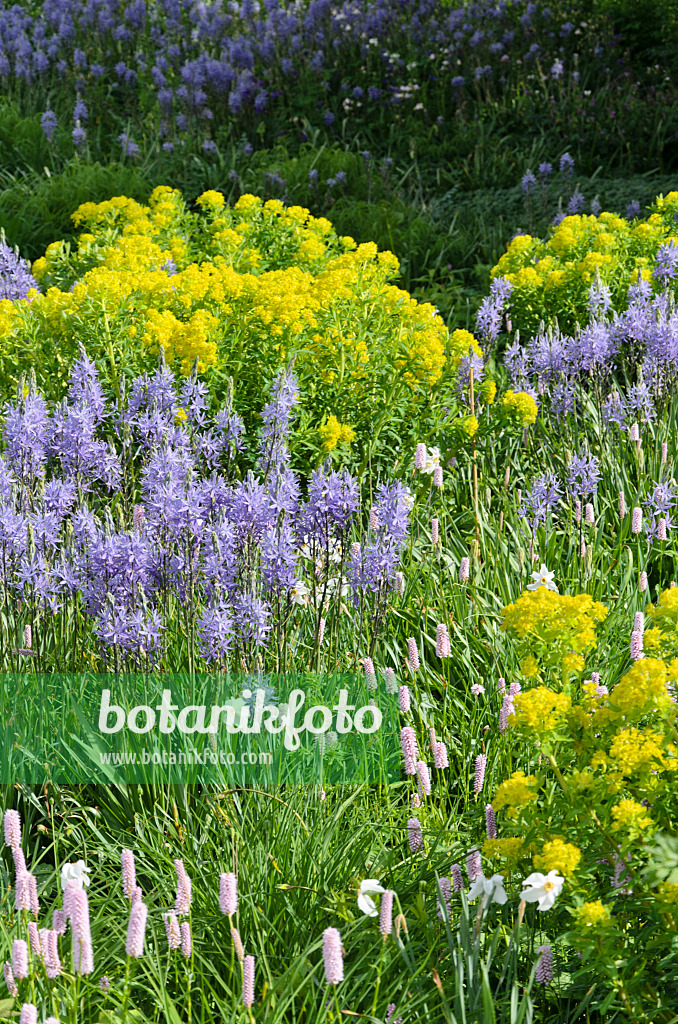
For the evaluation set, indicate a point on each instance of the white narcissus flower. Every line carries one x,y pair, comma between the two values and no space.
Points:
75,874
365,902
542,889
299,593
543,578
432,460
492,887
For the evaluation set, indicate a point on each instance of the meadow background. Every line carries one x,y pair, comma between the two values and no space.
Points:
342,337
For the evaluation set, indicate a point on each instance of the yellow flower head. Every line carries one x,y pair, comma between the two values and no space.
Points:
515,793
630,816
539,710
557,855
522,405
593,915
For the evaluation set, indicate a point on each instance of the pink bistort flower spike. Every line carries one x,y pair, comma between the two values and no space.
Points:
136,929
474,865
438,476
479,776
184,896
545,965
443,648
386,913
29,1014
20,959
622,505
457,877
434,531
129,877
404,699
186,943
237,944
464,570
440,756
390,681
413,653
9,979
248,981
420,456
490,822
642,585
665,452
228,893
12,827
172,930
332,956
637,520
408,743
34,937
636,645
415,835
446,890
50,946
424,777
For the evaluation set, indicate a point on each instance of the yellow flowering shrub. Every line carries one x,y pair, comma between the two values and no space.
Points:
241,289
510,848
551,277
599,757
333,433
553,626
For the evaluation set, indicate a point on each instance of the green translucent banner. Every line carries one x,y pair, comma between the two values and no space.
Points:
229,730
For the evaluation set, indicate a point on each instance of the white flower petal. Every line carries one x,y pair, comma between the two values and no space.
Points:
367,905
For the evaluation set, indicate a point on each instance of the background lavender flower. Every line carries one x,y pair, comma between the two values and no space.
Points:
16,279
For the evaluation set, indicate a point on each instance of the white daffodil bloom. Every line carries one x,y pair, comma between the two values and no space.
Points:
543,578
299,593
432,460
74,874
492,887
542,889
365,902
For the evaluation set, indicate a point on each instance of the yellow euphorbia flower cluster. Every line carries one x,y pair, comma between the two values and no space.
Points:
241,288
551,277
553,626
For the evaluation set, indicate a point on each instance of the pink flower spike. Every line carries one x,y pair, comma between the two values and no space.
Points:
404,699
479,778
622,505
545,965
441,758
637,520
129,878
490,822
228,893
457,877
474,865
34,937
186,944
20,959
390,681
438,476
386,913
424,777
446,890
29,1014
642,585
184,897
413,653
9,979
332,956
408,743
420,456
464,570
12,828
415,835
434,531
136,929
172,930
248,981
237,945
443,648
